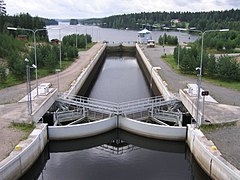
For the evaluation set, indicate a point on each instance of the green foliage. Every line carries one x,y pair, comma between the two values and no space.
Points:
25,127
82,40
225,68
228,68
214,127
221,41
168,40
3,75
200,20
16,65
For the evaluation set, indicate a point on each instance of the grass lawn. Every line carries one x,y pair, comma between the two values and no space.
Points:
227,84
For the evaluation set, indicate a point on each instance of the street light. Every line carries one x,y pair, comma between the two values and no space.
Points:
60,47
35,49
29,91
57,71
200,68
153,68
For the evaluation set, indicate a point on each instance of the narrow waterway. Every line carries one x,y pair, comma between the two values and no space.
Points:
117,155
120,80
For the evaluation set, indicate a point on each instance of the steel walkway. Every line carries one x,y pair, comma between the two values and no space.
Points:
115,108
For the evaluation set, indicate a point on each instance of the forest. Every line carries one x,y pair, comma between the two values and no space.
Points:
156,20
15,46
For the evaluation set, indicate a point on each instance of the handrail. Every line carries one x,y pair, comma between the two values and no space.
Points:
115,108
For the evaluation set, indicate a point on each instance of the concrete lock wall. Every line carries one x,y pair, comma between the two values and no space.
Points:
191,107
84,80
210,158
43,108
158,86
19,161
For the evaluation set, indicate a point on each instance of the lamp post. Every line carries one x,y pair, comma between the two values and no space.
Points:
77,35
155,68
35,49
200,68
60,46
57,71
29,91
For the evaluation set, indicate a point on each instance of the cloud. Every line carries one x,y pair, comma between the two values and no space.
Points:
97,8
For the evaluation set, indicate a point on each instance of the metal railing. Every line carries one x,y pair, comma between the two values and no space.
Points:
151,106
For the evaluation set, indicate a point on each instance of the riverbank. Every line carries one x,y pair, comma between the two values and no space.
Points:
11,110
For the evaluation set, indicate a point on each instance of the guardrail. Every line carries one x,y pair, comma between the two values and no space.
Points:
115,108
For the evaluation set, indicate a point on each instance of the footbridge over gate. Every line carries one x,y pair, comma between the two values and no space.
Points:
74,109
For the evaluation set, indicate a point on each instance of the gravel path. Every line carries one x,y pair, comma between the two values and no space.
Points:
10,96
226,139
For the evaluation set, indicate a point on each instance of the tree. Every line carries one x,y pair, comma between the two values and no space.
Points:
211,67
228,68
3,74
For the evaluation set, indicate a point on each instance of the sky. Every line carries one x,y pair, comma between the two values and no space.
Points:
80,9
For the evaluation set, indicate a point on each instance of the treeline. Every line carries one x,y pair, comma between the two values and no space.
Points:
168,40
200,20
81,40
224,67
222,41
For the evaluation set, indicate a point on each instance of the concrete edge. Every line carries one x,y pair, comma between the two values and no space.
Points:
191,107
25,154
45,105
155,76
78,83
209,158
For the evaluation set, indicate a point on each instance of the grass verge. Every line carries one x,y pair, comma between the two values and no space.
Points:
24,127
213,127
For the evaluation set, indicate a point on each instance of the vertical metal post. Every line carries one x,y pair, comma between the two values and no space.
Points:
86,38
60,50
179,49
35,60
76,38
199,82
203,110
27,78
58,86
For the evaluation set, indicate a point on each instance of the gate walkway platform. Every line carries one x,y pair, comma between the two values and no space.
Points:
76,108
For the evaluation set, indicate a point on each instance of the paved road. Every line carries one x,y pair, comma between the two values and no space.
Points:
177,81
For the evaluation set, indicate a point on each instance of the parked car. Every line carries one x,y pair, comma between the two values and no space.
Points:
151,43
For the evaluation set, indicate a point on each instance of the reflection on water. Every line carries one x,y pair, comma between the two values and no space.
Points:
120,80
119,155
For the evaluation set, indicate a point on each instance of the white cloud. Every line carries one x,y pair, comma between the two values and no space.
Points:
102,8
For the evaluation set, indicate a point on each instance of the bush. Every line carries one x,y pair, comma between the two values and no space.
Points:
3,74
